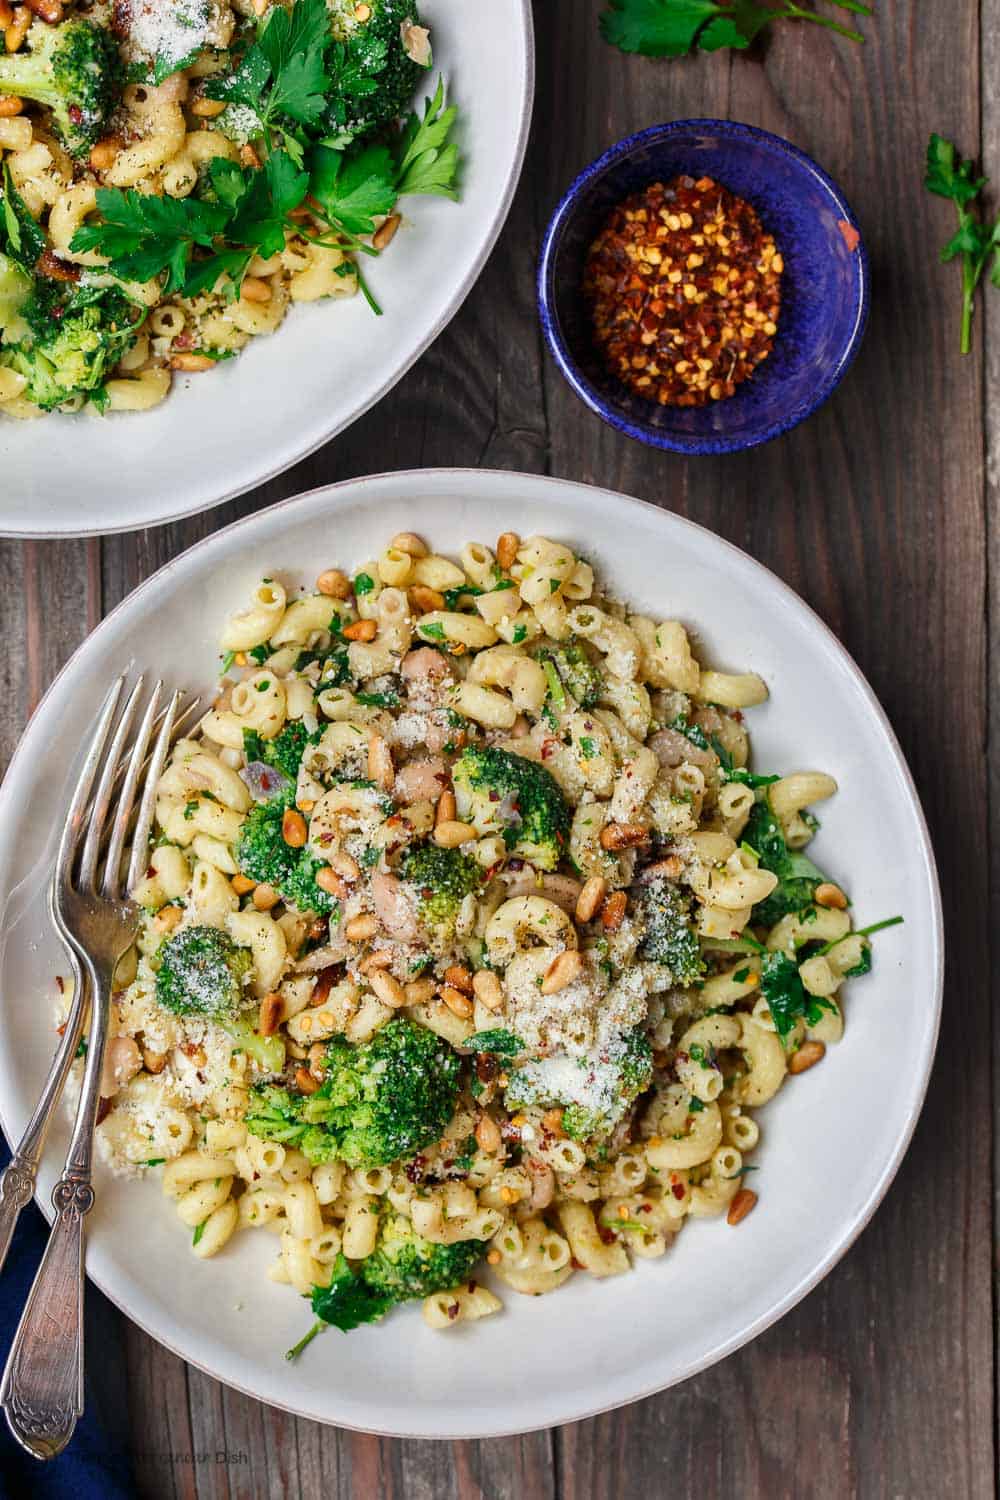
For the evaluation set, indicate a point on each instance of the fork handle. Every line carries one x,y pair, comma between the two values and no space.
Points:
17,1184
42,1391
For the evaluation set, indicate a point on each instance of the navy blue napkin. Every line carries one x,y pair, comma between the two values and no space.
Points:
96,1465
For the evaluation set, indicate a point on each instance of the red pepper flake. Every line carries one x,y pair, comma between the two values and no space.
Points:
453,1310
677,1190
851,237
416,1169
683,284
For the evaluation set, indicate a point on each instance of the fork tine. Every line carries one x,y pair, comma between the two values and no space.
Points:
147,806
81,795
102,797
110,885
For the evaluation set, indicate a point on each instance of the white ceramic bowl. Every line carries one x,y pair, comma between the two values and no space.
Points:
220,434
831,1141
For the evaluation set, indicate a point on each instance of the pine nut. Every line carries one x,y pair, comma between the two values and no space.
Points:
384,236
153,1062
334,584
306,805
449,835
317,1060
104,155
259,7
17,30
494,1258
419,991
49,11
742,1204
305,1082
255,290
6,15
328,880
446,808
552,1121
249,158
380,767
10,105
410,543
269,1015
561,972
589,900
459,977
207,109
192,363
387,988
167,919
457,1003
829,894
808,1055
293,828
345,865
670,868
424,599
488,989
242,884
380,960
265,896
488,1137
361,630
322,987
616,836
359,929
362,12
613,914
507,545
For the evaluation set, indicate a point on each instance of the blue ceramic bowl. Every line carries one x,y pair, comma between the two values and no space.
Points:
825,285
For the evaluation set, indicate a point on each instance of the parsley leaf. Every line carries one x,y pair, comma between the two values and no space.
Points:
143,235
20,233
977,243
353,188
797,876
346,1303
426,162
673,28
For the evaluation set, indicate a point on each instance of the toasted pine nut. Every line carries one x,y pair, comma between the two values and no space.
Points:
362,12
104,155
361,630
457,1003
488,1134
265,896
445,808
345,865
670,868
334,584
10,105
259,7
317,1060
589,900
269,1015
153,1062
829,894
507,545
741,1205
17,30
385,235
193,363
207,109
494,1258
488,989
410,543
254,289
613,914
293,828
387,988
808,1055
448,835
623,835
425,599
167,918
305,1082
459,977
249,157
380,767
306,805
419,991
520,728
6,14
328,880
552,1120
561,972
380,960
49,11
242,884
360,928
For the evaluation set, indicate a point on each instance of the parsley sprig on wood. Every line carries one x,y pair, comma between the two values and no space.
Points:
288,77
673,28
976,241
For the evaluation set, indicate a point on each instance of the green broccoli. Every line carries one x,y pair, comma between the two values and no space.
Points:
75,70
580,677
503,793
595,1091
200,974
378,1102
263,855
668,938
72,338
285,751
374,77
442,879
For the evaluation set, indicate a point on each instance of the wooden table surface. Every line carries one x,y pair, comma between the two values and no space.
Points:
880,511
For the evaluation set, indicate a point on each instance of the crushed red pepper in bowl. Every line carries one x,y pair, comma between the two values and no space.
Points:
683,284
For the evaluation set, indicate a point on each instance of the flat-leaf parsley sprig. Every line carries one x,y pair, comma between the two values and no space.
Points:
976,241
673,28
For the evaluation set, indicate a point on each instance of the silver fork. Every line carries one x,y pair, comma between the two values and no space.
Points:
42,1388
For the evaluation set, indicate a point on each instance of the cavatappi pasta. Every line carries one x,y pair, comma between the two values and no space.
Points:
516,942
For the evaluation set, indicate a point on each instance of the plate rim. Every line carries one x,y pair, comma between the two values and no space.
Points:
847,1237
454,306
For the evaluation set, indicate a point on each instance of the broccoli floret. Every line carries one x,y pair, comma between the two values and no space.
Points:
578,674
285,751
374,77
668,938
503,793
263,855
75,70
384,1100
404,1265
201,974
442,879
595,1091
72,339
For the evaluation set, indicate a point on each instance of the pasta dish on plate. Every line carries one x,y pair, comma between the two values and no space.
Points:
470,941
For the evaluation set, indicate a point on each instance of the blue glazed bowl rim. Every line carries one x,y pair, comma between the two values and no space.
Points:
733,130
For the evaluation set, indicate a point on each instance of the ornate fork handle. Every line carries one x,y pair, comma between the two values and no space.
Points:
17,1184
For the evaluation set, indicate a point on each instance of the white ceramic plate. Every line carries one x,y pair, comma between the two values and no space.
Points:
220,434
831,1141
